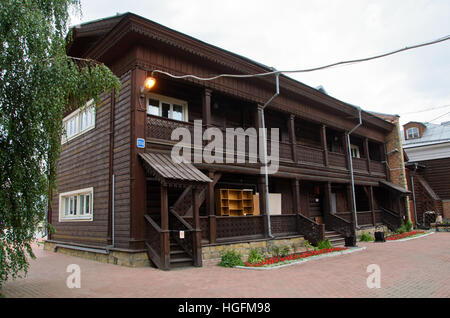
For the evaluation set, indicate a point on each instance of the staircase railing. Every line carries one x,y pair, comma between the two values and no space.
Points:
391,219
183,205
155,243
340,225
312,231
177,224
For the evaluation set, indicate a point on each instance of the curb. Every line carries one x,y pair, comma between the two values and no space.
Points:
347,251
409,238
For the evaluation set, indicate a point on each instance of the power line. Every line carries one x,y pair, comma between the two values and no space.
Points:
425,110
438,117
445,38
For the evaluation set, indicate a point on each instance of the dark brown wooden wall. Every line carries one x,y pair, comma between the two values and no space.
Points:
84,163
437,174
121,150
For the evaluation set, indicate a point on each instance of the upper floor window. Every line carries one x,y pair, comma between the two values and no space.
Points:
167,107
412,133
76,205
79,121
355,151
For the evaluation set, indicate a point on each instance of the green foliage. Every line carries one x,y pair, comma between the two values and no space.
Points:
308,245
232,259
324,244
255,256
409,226
276,251
365,237
404,228
285,250
37,83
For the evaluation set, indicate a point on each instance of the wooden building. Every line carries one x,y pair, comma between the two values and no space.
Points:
118,188
427,147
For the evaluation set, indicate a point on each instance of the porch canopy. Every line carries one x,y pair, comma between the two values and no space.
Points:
170,173
390,186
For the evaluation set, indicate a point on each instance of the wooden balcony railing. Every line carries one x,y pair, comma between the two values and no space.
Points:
336,159
360,164
159,128
307,155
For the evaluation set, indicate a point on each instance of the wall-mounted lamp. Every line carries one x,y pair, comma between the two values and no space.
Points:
149,83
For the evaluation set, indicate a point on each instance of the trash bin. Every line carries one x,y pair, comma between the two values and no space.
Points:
350,241
379,235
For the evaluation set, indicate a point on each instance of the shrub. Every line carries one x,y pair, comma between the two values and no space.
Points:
231,259
276,251
366,237
324,244
285,250
255,256
409,226
402,229
308,245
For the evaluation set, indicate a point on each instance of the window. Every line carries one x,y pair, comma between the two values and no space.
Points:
355,151
76,205
412,133
167,107
80,121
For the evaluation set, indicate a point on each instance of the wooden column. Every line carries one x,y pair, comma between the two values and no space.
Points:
296,195
327,200
350,201
323,138
262,201
347,155
210,209
366,150
197,240
374,219
138,182
206,107
291,127
165,241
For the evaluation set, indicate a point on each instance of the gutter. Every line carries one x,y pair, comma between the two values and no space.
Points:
351,167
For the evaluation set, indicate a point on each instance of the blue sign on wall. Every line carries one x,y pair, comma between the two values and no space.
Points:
141,143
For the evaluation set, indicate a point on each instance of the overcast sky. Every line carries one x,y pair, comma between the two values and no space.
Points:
302,34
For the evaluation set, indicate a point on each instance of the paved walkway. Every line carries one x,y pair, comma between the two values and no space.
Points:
414,268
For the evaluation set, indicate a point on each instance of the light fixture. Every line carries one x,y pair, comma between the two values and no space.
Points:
149,83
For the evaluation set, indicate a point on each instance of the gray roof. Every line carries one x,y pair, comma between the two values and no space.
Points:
434,134
167,171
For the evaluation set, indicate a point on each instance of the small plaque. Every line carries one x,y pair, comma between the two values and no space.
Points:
141,143
181,234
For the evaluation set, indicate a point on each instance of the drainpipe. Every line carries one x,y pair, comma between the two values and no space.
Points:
112,215
351,167
414,194
277,81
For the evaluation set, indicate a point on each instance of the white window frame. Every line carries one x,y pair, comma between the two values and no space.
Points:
76,118
356,149
66,201
168,100
414,134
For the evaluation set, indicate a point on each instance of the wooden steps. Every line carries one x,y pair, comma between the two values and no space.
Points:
335,238
179,257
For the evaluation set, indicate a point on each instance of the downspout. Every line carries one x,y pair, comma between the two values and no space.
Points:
351,167
414,194
277,81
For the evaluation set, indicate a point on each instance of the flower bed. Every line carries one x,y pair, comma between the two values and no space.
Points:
403,235
278,260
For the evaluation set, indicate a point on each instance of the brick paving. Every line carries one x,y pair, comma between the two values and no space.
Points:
414,268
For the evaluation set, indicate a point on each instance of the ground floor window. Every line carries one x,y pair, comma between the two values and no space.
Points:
76,205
